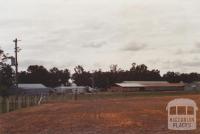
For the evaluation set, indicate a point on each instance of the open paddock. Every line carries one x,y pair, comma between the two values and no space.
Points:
106,113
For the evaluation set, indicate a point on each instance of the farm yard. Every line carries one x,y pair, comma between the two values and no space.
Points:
108,113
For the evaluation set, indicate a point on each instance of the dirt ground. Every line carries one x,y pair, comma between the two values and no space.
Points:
134,115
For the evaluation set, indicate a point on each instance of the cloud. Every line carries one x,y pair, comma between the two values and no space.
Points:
195,49
101,30
24,64
186,65
95,44
193,64
134,47
180,52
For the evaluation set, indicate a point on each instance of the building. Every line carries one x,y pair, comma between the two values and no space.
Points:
31,89
71,89
194,86
131,86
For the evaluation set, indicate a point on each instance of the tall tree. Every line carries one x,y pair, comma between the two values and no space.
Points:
172,77
81,77
37,74
6,75
58,77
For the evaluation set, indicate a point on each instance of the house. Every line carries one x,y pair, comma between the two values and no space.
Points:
131,86
30,89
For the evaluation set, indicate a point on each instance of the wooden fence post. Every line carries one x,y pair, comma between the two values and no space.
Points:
28,101
1,105
22,99
19,102
11,103
76,95
25,100
35,100
7,105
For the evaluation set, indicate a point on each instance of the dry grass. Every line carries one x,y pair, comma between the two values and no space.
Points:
133,115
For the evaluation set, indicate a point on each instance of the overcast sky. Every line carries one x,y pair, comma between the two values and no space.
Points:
97,33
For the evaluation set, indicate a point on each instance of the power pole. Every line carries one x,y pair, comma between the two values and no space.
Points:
16,61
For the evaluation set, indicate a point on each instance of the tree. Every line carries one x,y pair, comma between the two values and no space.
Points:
79,69
172,77
189,78
65,76
81,77
58,77
6,75
101,79
114,68
132,69
37,74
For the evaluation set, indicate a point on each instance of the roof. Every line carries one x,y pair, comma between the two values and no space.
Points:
32,86
71,87
149,84
31,89
182,102
130,84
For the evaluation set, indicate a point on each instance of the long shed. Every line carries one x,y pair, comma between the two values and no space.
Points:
147,86
30,89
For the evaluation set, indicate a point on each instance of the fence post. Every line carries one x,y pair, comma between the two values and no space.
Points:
22,99
28,101
76,94
31,100
7,104
12,102
35,100
25,101
19,102
1,105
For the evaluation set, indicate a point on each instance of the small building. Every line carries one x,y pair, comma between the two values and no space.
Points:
71,89
131,86
63,89
194,86
30,89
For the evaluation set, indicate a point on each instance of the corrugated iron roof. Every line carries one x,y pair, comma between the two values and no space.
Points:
31,86
130,84
149,84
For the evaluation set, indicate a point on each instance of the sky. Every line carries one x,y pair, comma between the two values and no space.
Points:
97,33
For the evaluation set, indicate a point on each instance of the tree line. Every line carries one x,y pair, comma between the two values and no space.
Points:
99,79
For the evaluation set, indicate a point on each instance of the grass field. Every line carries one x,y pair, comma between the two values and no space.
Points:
107,113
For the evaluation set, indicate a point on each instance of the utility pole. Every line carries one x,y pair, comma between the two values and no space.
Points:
16,61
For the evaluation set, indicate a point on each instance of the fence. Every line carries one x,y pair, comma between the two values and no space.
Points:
11,103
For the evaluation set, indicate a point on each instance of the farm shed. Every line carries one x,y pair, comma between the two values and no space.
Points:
63,89
194,86
71,89
30,89
129,86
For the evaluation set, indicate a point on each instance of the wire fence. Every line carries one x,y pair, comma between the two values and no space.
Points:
12,103
15,102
